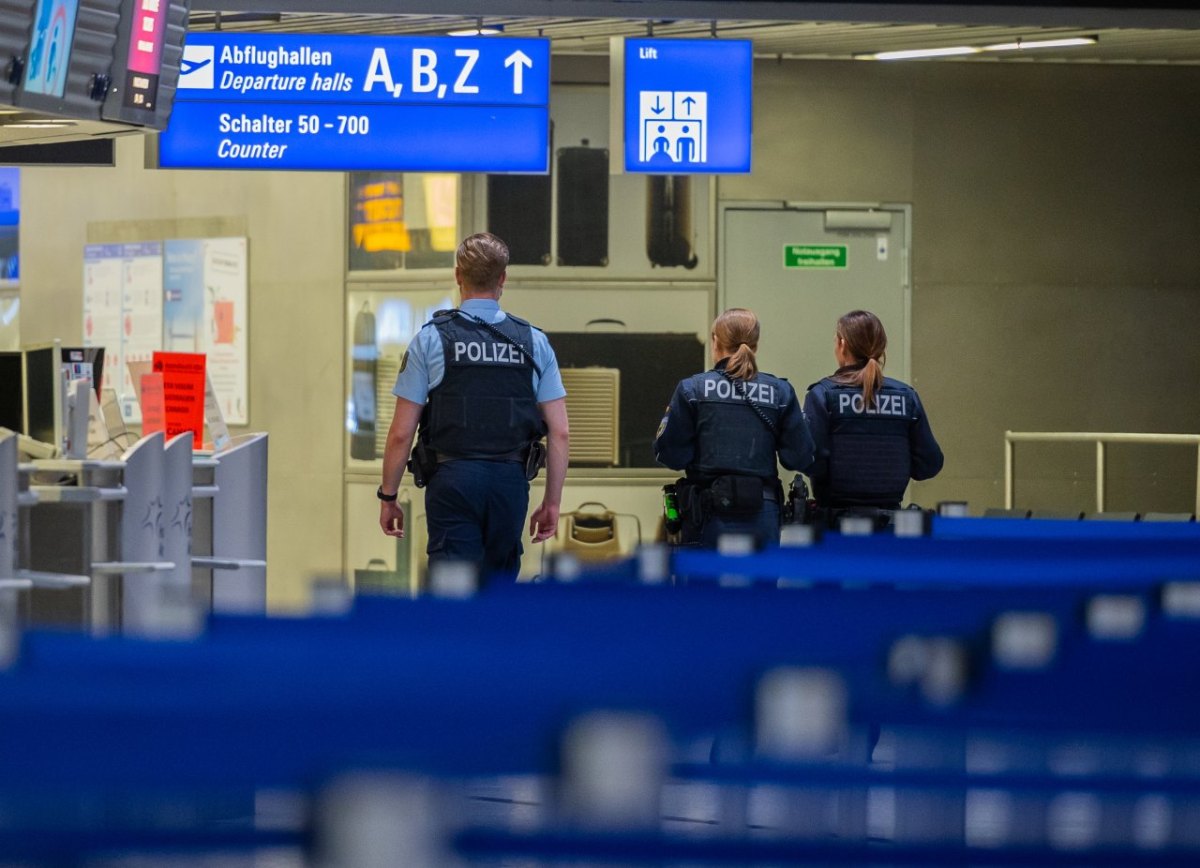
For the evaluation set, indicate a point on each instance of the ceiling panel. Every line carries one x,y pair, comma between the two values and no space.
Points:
790,39
818,40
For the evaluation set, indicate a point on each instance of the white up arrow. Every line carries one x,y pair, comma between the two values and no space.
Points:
518,60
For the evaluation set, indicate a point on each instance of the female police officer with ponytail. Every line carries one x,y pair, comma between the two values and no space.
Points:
871,432
725,428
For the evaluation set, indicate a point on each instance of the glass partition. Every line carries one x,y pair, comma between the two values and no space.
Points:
402,220
382,322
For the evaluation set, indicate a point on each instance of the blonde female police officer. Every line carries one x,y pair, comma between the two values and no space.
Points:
871,432
724,428
482,385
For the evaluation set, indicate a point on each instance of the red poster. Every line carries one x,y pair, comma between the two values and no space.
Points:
183,393
152,404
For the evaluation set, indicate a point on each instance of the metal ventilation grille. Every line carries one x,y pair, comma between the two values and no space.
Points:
386,371
593,410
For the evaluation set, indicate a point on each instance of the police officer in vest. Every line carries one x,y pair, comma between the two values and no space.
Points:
483,387
724,428
871,432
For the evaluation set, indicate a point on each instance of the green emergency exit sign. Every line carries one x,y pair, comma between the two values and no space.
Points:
814,256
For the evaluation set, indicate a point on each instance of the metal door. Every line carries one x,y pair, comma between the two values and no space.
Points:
800,267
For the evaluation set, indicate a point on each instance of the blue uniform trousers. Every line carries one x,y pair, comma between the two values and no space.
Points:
475,511
764,526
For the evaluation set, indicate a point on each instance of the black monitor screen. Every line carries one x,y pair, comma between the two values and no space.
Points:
41,370
12,415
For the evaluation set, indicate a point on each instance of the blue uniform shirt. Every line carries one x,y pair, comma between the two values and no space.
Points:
426,360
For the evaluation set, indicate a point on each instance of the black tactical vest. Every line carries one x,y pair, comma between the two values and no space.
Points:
731,438
485,406
869,461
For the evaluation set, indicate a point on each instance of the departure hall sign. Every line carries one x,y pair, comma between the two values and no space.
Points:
343,103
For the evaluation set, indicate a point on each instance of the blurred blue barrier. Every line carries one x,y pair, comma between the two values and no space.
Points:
1045,685
1036,528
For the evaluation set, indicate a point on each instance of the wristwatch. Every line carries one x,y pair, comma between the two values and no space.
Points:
386,498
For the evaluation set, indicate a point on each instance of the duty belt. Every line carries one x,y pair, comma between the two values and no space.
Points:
518,455
770,487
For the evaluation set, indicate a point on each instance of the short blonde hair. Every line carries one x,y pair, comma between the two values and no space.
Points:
481,258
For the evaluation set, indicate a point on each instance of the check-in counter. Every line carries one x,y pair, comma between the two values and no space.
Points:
230,527
113,545
65,527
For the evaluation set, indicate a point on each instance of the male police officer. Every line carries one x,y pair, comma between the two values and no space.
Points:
483,387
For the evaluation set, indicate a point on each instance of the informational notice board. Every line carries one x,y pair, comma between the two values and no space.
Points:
182,295
182,392
123,312
204,311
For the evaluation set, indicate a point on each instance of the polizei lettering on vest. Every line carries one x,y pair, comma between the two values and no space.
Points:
763,393
485,351
882,405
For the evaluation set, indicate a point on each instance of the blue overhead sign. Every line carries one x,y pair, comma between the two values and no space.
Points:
341,103
688,106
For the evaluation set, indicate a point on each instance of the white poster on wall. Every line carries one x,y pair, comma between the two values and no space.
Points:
205,285
122,311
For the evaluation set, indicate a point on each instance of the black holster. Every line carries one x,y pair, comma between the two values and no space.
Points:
689,497
422,464
535,459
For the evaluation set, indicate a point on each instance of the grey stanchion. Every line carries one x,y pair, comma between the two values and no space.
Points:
654,564
453,579
380,820
614,768
12,577
801,717
140,534
239,528
177,509
735,544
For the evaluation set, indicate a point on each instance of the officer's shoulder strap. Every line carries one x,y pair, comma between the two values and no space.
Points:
441,317
521,322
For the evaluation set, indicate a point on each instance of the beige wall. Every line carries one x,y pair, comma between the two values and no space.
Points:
295,225
1055,278
1055,212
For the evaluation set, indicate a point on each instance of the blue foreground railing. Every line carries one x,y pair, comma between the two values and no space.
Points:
976,696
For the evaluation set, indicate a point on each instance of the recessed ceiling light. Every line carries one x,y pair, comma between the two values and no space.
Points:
1022,44
914,53
958,50
478,30
41,124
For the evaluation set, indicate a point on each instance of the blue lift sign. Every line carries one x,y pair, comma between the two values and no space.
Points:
688,106
342,103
